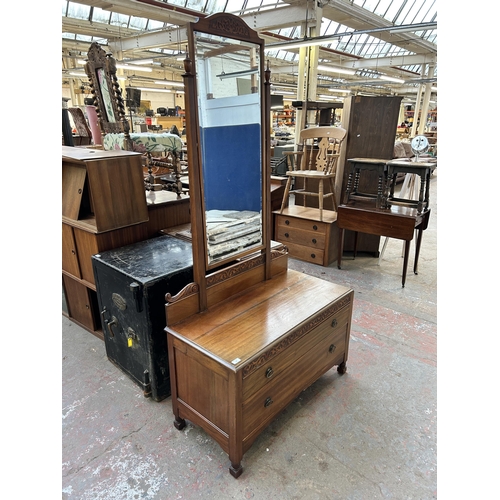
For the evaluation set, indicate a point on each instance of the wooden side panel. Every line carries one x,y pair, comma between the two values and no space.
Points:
86,245
117,190
73,182
69,252
82,304
201,386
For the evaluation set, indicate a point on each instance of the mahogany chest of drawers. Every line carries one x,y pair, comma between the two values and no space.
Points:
306,236
235,367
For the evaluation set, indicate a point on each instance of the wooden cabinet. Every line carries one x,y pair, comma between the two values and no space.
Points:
371,124
306,237
232,372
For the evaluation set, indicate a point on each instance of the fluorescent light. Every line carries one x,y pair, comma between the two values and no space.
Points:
167,82
391,79
434,89
140,61
340,90
283,92
336,69
146,89
131,67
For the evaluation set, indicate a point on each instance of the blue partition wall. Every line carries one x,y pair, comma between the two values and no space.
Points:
230,155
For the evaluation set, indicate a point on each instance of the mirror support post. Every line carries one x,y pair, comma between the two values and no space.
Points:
195,180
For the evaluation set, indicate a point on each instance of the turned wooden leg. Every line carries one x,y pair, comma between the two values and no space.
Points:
179,423
320,199
342,368
405,262
286,193
235,470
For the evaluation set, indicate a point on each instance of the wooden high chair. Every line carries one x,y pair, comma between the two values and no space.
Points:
317,159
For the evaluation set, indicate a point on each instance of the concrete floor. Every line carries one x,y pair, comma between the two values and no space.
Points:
368,434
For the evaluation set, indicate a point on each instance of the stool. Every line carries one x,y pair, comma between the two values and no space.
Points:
423,169
352,190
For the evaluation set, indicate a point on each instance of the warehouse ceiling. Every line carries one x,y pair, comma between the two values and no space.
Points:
390,46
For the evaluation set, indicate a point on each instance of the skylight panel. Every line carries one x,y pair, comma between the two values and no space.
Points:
78,10
119,20
101,16
198,5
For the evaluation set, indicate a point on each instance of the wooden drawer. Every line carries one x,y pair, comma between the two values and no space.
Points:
273,368
309,239
302,224
328,349
307,254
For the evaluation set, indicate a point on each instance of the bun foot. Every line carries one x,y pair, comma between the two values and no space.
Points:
179,424
236,470
342,368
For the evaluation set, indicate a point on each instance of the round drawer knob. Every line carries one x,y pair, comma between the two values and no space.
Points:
314,240
313,256
287,222
334,323
268,402
286,235
315,227
332,348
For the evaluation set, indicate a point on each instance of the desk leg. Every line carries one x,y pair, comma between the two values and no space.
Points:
405,262
417,250
355,243
341,248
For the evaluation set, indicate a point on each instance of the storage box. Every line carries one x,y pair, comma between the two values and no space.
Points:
131,284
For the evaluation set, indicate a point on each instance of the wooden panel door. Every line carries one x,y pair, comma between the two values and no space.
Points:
70,262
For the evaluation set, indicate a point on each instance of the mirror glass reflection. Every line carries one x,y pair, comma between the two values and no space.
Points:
229,107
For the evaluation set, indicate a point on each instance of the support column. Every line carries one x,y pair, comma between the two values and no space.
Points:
425,105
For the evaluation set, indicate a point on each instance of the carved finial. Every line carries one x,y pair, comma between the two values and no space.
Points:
187,63
267,73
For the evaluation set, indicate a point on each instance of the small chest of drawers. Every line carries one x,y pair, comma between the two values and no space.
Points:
235,367
306,236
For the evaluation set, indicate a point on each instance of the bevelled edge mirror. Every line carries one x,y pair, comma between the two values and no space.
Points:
227,123
101,70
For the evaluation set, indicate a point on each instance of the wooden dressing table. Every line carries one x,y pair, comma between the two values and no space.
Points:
248,335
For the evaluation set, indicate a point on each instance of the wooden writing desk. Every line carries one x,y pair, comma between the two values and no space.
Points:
396,222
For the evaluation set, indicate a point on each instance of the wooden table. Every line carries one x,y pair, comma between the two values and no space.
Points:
423,169
362,164
398,222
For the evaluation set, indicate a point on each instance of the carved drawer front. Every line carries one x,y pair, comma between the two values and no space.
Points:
292,371
272,363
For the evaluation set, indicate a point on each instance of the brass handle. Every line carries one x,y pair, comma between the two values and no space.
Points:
269,372
332,348
268,402
334,323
